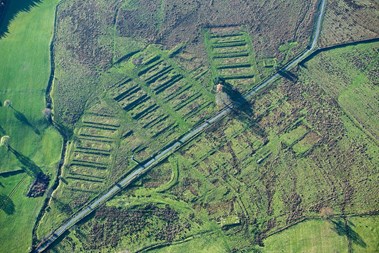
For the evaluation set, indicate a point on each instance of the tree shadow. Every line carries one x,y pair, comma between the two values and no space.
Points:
2,131
66,132
9,9
54,246
288,75
29,166
242,108
343,229
22,118
240,104
6,204
11,173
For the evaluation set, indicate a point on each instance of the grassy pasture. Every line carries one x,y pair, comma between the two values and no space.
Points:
366,234
202,244
287,49
327,236
314,236
19,216
25,68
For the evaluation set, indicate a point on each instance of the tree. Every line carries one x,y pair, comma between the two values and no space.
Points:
326,212
4,141
7,103
47,113
222,97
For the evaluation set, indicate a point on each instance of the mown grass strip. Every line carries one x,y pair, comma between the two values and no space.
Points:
236,54
247,76
227,45
236,34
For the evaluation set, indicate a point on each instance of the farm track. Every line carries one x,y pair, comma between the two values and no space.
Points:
175,145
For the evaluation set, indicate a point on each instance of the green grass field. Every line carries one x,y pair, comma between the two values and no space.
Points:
367,231
311,237
319,236
202,244
25,69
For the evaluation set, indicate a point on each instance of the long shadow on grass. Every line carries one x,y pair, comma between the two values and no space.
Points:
2,130
22,118
6,204
242,108
29,166
343,229
240,104
9,10
52,248
288,75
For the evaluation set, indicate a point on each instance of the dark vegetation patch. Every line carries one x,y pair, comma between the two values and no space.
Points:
111,224
39,186
184,19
